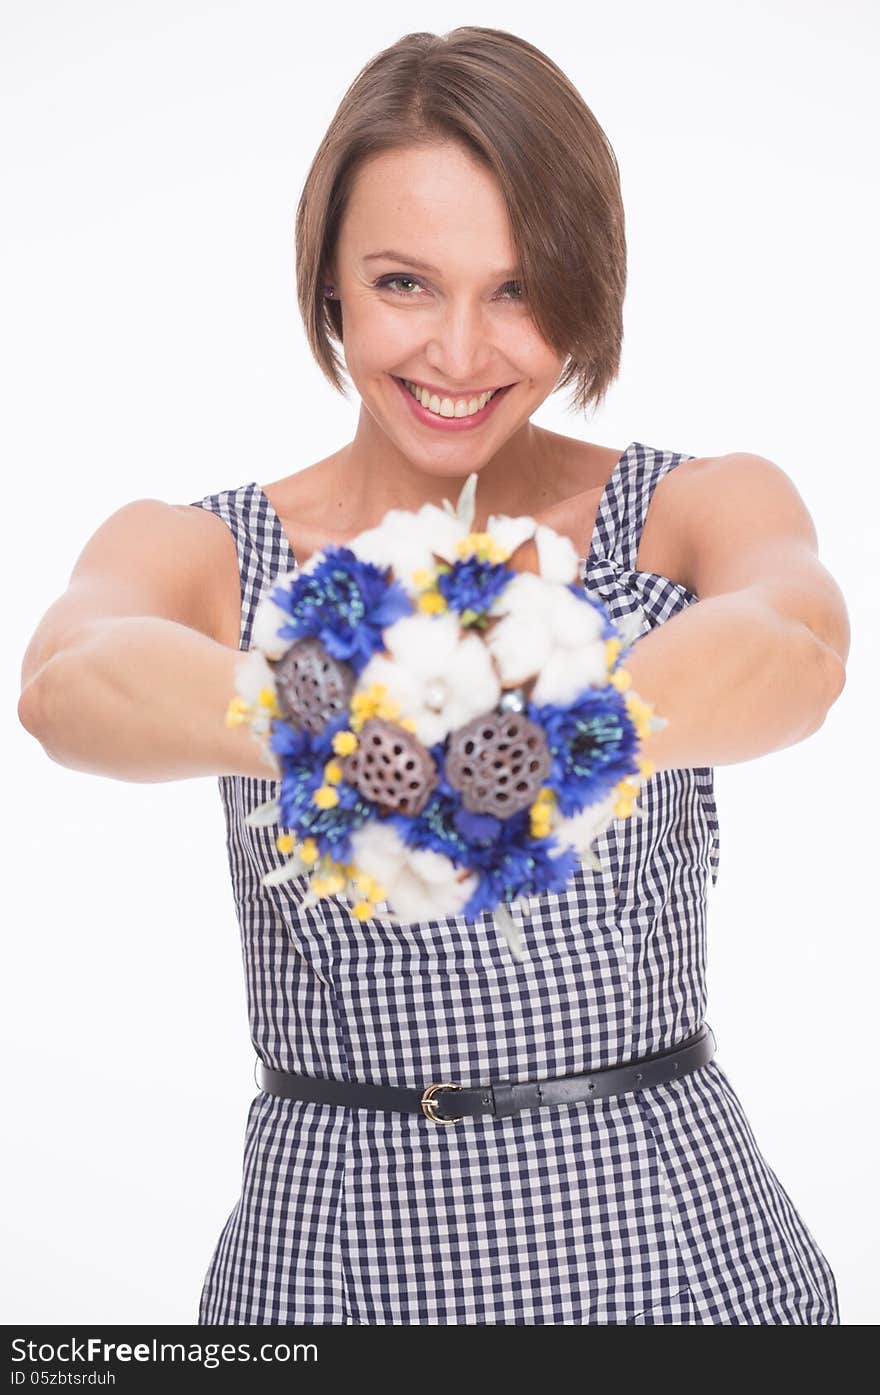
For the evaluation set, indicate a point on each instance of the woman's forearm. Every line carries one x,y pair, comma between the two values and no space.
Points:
734,680
144,699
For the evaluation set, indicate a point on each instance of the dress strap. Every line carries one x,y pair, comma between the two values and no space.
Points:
626,502
245,510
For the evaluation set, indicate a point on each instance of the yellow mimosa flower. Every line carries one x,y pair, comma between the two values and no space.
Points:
237,712
372,889
540,816
432,603
328,885
640,713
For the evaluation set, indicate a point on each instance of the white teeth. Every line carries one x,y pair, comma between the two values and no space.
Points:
445,406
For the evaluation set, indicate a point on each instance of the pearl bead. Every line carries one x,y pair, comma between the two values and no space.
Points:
512,700
435,695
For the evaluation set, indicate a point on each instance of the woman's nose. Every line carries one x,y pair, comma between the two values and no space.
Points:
461,348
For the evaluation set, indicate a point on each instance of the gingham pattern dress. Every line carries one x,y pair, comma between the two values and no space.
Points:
645,1208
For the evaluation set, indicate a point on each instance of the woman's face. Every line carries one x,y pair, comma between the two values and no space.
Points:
459,329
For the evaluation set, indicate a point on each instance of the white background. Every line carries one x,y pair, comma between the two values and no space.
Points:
153,154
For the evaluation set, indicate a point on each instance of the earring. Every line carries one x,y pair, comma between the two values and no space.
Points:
329,291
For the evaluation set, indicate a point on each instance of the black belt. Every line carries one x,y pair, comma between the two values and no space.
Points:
505,1096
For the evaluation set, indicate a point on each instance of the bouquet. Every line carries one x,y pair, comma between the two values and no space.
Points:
450,715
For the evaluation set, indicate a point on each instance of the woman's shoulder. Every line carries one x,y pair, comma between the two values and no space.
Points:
665,529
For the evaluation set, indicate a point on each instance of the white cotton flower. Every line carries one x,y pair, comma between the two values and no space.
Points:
440,677
546,631
420,884
525,594
557,557
406,541
252,674
510,532
269,617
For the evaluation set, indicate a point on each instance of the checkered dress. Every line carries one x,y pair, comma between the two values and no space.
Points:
651,1207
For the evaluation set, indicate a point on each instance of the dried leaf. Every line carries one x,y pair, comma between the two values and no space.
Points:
527,905
631,627
263,814
590,862
507,926
286,872
467,504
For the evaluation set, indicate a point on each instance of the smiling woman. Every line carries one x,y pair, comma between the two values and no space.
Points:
462,182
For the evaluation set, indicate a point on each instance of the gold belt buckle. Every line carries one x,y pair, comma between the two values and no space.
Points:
429,1102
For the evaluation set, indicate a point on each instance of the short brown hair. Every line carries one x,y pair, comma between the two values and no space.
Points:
514,110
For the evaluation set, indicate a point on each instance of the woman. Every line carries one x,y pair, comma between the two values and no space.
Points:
461,233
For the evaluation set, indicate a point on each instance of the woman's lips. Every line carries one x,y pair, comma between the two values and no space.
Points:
450,423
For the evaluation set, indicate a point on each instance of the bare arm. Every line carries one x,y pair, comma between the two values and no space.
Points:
733,680
756,664
144,699
125,675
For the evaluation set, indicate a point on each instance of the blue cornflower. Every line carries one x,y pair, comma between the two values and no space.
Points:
508,861
470,585
302,756
345,602
527,868
593,744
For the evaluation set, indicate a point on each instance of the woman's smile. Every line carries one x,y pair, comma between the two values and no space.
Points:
447,413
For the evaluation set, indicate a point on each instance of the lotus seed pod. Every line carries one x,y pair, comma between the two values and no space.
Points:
391,767
498,762
313,687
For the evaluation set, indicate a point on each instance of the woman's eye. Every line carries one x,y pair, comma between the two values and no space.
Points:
391,281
